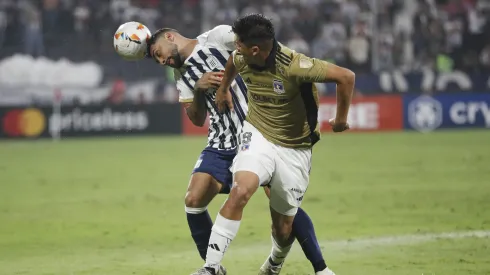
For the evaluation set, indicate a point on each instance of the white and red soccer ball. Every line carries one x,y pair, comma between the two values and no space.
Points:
130,41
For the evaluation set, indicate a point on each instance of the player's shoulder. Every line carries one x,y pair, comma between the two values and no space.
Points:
297,61
284,55
178,74
214,37
221,30
288,57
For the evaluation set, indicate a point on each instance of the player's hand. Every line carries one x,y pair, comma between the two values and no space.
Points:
338,126
209,80
223,100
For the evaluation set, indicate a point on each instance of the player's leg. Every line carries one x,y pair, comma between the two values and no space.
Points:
228,220
252,167
282,214
288,187
210,176
304,232
201,190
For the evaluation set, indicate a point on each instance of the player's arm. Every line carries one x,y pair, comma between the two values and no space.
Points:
223,95
196,110
313,70
345,80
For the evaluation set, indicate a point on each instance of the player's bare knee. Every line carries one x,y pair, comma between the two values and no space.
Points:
239,196
194,200
201,190
245,185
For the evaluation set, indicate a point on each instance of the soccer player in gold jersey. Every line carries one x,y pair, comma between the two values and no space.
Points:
277,138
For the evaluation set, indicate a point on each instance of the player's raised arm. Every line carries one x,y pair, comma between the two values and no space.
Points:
308,69
223,95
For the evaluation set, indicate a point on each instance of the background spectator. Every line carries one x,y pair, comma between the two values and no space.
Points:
372,37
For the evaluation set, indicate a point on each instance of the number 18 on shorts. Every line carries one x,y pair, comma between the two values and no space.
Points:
285,169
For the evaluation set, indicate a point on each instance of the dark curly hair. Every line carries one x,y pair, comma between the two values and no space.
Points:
253,29
155,37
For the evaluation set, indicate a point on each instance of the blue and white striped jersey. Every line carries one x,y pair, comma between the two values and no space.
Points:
211,54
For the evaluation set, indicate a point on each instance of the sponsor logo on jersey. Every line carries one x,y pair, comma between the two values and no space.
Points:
272,100
425,114
278,86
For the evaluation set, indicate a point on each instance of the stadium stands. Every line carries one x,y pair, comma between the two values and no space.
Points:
393,45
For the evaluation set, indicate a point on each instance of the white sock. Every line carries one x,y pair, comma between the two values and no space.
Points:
279,254
224,231
326,271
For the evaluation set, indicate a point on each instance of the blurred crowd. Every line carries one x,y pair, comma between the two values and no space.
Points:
379,35
364,35
390,38
83,29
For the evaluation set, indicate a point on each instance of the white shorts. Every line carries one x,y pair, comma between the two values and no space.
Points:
285,169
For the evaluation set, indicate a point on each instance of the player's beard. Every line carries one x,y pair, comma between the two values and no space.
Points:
177,58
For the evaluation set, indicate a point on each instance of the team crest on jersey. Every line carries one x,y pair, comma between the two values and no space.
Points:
278,86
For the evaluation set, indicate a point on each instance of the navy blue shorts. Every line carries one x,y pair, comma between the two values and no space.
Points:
217,163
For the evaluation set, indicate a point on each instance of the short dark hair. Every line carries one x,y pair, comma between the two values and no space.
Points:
253,29
154,37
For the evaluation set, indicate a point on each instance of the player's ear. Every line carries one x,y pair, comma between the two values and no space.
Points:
169,36
255,50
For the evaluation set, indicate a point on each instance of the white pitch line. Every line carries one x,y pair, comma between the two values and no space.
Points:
351,244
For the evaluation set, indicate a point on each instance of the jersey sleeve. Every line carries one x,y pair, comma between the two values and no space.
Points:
223,37
186,95
307,69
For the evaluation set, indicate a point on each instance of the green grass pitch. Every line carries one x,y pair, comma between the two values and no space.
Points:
380,204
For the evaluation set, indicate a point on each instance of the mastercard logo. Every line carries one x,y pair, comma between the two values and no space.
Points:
29,122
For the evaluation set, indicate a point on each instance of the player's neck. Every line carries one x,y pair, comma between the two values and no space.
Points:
266,57
187,48
261,60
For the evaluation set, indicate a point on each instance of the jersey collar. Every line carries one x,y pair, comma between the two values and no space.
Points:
270,61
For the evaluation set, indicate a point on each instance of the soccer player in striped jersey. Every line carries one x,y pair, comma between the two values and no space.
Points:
198,65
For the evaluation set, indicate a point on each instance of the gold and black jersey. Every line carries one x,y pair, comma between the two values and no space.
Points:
282,97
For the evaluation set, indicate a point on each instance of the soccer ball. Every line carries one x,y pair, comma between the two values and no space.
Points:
130,41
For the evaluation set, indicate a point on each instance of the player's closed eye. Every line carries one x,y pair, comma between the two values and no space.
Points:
156,59
156,56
